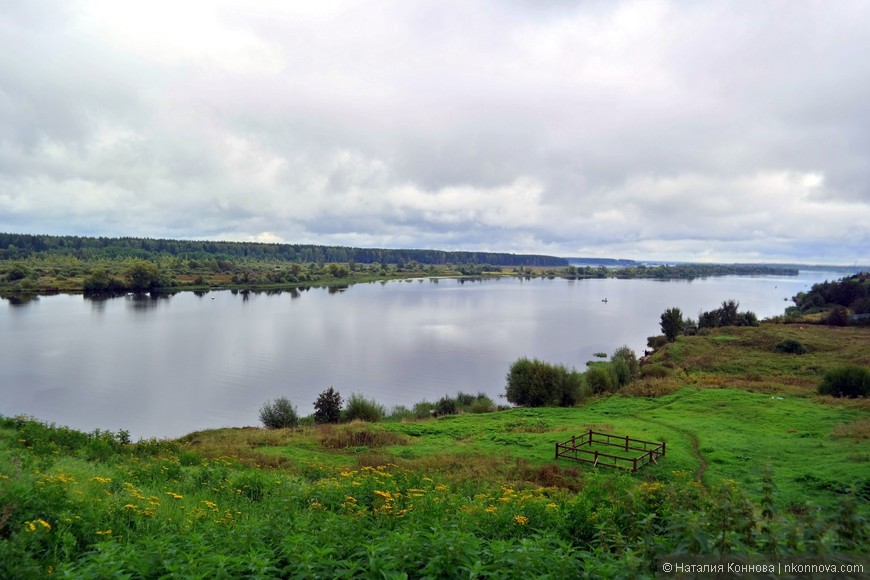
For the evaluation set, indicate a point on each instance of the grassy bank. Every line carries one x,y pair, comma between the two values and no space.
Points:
756,463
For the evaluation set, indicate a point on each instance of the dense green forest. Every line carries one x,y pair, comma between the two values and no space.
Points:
19,246
851,293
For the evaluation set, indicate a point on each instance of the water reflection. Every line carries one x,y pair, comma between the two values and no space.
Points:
20,299
146,301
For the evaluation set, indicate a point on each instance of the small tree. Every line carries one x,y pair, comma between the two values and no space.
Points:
672,323
280,414
625,364
728,313
327,407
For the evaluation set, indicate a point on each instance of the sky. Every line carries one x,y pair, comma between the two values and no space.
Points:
660,130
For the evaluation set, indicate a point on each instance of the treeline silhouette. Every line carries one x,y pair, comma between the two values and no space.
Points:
20,246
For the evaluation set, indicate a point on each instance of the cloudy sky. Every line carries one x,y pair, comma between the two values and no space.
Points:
706,131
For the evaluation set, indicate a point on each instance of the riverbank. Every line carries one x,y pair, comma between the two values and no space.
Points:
46,274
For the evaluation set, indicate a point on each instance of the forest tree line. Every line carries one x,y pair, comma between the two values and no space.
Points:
21,246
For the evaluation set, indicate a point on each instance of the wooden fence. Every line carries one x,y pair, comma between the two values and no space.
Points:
649,451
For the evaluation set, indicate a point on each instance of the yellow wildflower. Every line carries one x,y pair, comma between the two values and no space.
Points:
104,533
174,495
521,520
491,509
551,506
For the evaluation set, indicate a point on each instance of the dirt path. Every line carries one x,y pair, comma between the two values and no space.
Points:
696,444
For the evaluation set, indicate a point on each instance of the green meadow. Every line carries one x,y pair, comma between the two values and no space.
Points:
756,463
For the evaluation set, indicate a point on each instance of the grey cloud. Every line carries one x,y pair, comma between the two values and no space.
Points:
631,129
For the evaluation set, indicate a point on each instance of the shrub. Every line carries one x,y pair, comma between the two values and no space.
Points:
279,415
17,271
533,383
446,406
601,377
655,371
625,364
790,346
482,404
850,381
839,316
327,407
400,413
423,410
462,403
656,342
363,409
359,434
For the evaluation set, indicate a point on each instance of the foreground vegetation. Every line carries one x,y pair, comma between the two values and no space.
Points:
757,462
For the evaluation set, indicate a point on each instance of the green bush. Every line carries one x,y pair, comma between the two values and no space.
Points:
481,404
839,316
655,371
360,408
533,383
17,271
423,410
446,406
99,280
400,413
850,381
790,346
625,364
601,377
280,414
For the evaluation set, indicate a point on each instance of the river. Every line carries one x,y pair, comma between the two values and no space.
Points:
163,367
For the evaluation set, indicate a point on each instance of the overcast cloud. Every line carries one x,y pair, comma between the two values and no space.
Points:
709,131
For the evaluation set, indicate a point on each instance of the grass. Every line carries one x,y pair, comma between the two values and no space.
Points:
754,460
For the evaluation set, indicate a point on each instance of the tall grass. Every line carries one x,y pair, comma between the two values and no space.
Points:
160,515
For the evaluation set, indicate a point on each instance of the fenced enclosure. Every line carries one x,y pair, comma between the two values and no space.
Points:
636,452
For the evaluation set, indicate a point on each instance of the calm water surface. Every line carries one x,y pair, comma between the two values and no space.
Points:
167,366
